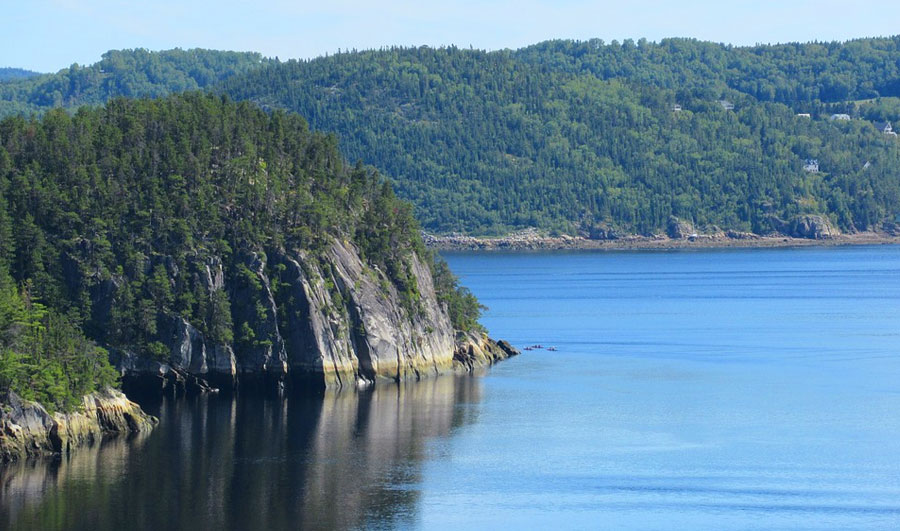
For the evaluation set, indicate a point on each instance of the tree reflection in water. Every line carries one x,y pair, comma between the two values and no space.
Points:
335,461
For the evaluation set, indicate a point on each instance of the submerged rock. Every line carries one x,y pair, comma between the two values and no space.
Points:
28,430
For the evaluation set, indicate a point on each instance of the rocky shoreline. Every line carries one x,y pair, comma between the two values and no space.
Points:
533,241
472,351
27,429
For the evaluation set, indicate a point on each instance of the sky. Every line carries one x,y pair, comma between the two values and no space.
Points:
48,35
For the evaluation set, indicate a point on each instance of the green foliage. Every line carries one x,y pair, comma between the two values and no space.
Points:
43,356
461,304
563,135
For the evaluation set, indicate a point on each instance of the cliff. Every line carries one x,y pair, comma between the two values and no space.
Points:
250,255
326,322
28,430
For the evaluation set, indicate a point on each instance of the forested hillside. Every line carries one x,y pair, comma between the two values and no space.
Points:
489,142
128,73
570,136
113,219
799,75
7,74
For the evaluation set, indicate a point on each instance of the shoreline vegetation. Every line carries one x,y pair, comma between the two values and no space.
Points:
532,240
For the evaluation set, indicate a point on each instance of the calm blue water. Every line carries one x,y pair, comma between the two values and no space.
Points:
710,389
751,388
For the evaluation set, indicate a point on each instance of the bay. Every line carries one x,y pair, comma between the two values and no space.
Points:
688,389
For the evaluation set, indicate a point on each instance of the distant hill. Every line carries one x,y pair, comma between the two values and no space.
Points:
796,74
582,136
128,73
572,136
8,74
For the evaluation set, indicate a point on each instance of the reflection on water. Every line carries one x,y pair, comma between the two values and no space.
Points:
337,461
23,485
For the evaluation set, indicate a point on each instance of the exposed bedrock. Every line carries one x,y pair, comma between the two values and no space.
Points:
330,321
28,430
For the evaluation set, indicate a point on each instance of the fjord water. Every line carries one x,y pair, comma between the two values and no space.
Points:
690,389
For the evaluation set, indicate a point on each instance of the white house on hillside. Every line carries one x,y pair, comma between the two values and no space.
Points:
885,127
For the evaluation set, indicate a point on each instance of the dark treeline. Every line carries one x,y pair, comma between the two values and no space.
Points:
8,74
138,198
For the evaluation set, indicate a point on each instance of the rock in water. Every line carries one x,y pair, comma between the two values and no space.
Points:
28,430
475,350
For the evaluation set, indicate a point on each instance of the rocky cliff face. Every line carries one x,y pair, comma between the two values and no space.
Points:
27,429
807,226
331,321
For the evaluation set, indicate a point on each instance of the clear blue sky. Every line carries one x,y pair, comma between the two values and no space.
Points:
47,35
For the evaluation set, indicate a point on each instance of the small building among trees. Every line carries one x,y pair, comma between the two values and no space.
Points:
886,128
811,165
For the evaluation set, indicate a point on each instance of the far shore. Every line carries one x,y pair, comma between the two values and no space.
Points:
530,241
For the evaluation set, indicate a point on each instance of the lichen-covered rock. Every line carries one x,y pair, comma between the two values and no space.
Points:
28,430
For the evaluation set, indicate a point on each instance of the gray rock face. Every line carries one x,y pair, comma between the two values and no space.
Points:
678,228
332,321
185,342
812,227
603,232
809,226
255,317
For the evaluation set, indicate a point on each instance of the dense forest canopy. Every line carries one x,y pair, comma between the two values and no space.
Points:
571,135
110,217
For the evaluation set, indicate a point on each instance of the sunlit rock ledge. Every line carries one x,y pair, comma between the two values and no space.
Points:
27,429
